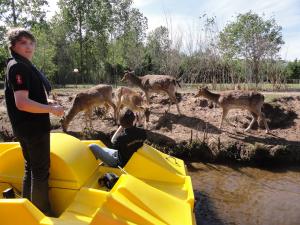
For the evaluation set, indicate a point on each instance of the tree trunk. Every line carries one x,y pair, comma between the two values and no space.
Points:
13,7
256,71
80,44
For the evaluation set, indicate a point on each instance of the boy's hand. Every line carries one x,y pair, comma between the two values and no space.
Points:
57,110
52,102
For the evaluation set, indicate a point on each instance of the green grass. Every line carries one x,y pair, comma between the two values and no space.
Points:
193,87
252,86
270,97
219,87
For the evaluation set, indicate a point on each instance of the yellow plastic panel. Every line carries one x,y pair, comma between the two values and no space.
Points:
72,161
12,165
7,145
163,207
136,202
87,202
148,169
107,217
182,191
162,159
20,212
60,199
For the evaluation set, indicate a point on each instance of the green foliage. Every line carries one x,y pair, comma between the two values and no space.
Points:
23,12
128,32
252,38
3,52
45,52
158,47
3,57
293,70
102,38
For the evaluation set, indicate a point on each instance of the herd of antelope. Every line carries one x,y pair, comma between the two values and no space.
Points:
102,95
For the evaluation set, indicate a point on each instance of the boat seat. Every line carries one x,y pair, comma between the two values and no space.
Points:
71,165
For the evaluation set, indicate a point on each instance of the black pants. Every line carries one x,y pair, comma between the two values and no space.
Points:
36,152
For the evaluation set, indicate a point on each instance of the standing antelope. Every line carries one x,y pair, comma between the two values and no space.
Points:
155,83
132,100
86,101
251,101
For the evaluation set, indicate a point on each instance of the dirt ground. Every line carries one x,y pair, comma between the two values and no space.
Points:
199,122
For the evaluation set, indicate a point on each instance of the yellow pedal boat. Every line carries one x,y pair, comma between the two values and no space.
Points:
153,189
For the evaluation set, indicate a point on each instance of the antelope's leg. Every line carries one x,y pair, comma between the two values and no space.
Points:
254,119
224,114
114,108
147,97
172,96
263,118
88,117
177,106
118,113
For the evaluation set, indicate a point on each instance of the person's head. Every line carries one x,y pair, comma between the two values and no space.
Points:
127,119
22,42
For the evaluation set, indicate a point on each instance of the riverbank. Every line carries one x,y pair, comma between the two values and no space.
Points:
194,136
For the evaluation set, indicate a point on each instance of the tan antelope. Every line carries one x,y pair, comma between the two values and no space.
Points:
86,101
133,100
248,100
155,83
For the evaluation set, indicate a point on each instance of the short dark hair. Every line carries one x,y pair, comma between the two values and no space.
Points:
127,119
15,34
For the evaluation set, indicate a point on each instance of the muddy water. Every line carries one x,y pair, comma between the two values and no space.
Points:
246,196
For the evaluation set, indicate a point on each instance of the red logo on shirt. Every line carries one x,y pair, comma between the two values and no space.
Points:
19,79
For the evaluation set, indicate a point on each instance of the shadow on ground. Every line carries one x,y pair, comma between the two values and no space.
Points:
167,119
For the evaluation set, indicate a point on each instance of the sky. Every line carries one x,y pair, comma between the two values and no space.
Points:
182,16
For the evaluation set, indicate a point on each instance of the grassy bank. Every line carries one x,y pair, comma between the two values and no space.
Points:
217,151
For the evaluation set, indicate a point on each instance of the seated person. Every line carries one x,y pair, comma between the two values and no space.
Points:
126,141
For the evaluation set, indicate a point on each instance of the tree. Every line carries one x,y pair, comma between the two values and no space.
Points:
132,40
45,51
127,31
88,26
158,47
3,52
293,69
23,12
75,12
251,38
64,57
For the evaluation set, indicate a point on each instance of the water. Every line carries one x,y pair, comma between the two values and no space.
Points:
246,196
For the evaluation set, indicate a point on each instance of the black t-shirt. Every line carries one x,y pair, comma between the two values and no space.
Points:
128,142
21,75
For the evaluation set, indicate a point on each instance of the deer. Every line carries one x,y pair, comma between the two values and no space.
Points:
155,83
248,100
132,100
86,101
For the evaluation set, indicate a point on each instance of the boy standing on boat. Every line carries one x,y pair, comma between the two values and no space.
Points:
26,96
